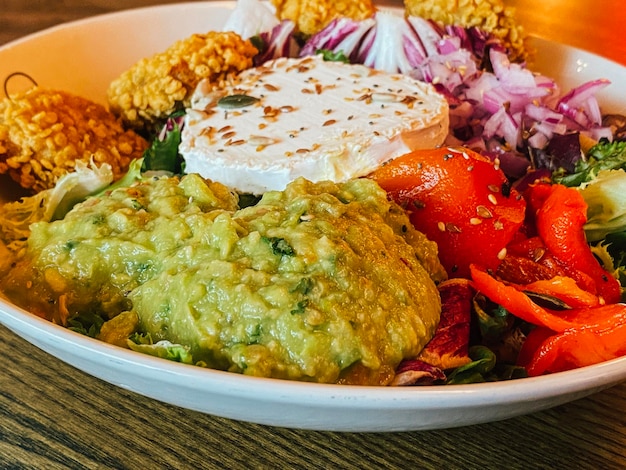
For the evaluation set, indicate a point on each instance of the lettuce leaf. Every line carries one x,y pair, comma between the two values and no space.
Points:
163,349
162,155
605,196
52,204
605,155
484,368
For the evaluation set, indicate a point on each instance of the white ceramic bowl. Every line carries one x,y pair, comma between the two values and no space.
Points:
83,57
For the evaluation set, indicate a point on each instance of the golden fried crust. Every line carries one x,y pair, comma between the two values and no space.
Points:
490,15
44,132
157,86
311,16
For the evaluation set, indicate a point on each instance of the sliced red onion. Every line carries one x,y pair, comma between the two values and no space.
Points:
342,34
386,45
581,105
279,41
427,33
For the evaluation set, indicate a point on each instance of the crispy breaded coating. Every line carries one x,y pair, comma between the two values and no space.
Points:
490,15
156,86
43,133
311,16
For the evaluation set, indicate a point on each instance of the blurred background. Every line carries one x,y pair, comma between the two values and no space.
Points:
573,22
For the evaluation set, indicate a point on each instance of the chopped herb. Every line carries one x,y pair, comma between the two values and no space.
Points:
98,219
280,247
71,244
300,307
304,286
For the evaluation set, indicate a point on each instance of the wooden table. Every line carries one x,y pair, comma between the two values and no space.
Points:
55,417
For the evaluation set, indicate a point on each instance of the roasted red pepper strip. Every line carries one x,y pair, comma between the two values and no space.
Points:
520,305
459,199
563,340
515,301
565,289
577,347
560,218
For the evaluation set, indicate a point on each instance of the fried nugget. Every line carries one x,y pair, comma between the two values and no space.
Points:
43,133
157,86
311,16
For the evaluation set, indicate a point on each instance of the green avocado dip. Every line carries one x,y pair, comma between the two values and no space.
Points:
320,282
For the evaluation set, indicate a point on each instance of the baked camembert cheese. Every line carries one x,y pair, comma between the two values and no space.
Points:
307,117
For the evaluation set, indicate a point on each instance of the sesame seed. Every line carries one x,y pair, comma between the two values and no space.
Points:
476,221
441,226
483,212
492,199
385,97
330,122
502,254
260,140
493,188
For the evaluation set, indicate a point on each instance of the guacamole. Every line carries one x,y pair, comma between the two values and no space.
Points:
320,282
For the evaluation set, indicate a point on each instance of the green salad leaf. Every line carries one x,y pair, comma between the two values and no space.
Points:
484,368
605,196
52,204
162,155
605,155
163,349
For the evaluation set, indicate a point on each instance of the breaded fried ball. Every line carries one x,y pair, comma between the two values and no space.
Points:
156,86
43,133
311,16
492,16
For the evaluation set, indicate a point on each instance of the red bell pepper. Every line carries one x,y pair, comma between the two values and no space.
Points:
562,340
560,215
565,289
546,352
515,301
460,199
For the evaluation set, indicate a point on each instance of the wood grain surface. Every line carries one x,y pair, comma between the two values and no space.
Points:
53,416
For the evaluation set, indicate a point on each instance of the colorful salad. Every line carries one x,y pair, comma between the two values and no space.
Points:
526,198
